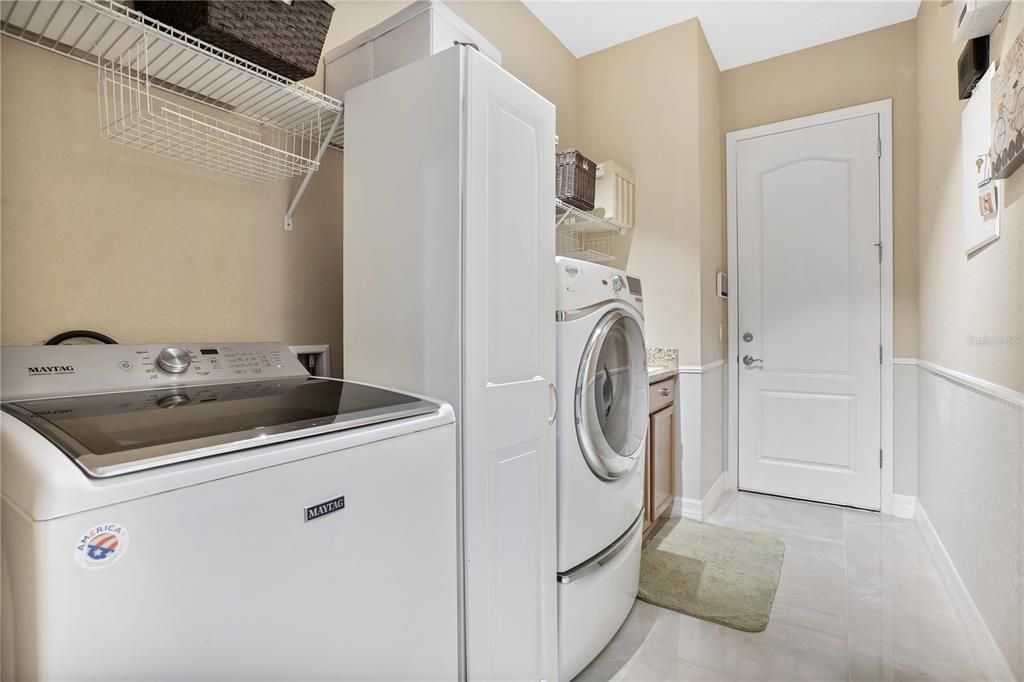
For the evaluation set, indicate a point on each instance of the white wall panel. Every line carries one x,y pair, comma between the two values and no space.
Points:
971,481
905,428
713,455
689,406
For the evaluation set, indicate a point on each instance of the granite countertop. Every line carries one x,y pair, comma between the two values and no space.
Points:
662,363
656,374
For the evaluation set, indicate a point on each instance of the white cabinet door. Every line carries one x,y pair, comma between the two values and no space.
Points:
508,312
809,292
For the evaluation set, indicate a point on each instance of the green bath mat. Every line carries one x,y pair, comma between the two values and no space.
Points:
720,574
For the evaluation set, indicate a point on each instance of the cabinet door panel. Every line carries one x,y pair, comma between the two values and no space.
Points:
508,442
648,468
662,426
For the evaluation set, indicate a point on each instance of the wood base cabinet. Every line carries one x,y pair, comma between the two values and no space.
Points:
659,472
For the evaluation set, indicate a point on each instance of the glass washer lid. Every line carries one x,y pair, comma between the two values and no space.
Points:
117,433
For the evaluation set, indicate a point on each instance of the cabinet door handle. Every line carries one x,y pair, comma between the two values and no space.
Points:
554,398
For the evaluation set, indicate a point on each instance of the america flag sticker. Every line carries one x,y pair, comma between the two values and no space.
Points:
101,545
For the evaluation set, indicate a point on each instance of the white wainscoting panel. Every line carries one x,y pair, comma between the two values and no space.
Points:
713,407
971,481
994,663
688,411
904,452
701,409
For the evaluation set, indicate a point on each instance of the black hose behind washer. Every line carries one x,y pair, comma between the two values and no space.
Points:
79,334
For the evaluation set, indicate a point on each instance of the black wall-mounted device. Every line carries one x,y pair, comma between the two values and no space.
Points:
971,65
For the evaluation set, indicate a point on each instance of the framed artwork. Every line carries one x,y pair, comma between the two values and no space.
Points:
982,193
1008,112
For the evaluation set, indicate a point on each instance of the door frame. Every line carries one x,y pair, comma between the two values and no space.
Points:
883,108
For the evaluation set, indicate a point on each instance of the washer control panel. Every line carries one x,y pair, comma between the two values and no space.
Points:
582,285
50,371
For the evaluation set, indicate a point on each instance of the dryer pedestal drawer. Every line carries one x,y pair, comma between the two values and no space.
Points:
593,607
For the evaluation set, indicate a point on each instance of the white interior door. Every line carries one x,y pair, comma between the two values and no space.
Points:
809,312
508,401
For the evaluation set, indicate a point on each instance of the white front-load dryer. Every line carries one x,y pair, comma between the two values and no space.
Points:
602,430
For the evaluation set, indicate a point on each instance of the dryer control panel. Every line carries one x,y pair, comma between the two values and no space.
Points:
582,284
51,371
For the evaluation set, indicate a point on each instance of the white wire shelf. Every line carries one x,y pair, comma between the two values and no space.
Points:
584,246
583,235
571,218
276,128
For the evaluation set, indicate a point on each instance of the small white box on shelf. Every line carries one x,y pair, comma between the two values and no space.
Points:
423,28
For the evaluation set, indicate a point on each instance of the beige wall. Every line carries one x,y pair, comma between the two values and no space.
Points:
638,106
713,310
970,444
93,235
877,65
649,103
981,295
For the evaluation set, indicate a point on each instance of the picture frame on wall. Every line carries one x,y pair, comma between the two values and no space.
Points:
982,192
1007,111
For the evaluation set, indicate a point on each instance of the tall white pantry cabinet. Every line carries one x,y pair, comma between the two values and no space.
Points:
449,291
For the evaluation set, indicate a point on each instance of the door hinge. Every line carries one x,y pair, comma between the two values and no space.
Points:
878,245
879,458
879,147
880,355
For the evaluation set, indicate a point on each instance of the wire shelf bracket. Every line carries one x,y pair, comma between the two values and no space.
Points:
250,122
309,175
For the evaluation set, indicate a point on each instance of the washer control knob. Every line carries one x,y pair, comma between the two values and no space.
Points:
173,360
617,283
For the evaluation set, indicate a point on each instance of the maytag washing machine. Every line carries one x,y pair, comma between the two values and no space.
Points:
211,511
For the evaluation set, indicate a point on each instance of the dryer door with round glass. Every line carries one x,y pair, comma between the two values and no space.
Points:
611,396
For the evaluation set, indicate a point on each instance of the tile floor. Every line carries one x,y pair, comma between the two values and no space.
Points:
859,599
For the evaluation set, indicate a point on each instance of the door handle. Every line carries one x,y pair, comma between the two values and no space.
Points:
749,360
554,394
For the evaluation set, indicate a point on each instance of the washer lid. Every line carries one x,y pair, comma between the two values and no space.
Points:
119,433
612,396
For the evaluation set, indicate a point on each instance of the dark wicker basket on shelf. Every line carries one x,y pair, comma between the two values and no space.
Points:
286,38
575,176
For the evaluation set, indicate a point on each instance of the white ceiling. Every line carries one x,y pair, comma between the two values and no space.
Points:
738,31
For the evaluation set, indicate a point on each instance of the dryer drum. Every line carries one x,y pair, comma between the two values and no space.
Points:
611,396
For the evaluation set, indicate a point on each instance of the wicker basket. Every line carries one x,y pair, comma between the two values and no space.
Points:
575,176
286,38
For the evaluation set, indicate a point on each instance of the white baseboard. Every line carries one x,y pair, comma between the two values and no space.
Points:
903,506
993,662
687,507
714,495
690,508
